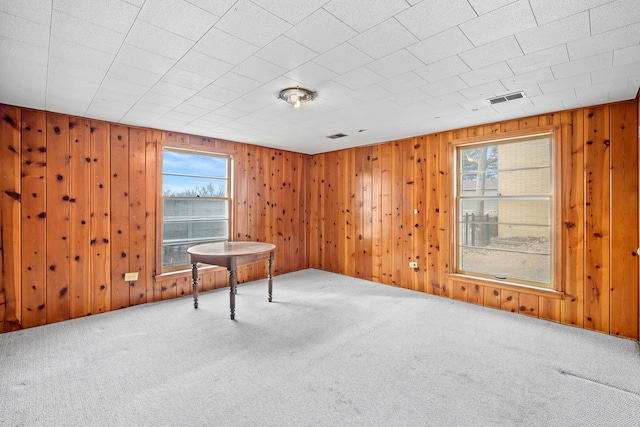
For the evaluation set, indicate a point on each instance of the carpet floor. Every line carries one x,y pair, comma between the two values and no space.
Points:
329,351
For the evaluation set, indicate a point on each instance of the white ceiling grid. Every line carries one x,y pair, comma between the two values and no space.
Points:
383,69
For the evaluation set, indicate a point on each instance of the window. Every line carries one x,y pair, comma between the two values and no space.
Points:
505,210
196,202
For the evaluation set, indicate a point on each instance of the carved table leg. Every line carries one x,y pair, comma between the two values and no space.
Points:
232,292
194,277
270,275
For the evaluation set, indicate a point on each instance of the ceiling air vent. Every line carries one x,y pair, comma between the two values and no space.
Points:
504,98
337,135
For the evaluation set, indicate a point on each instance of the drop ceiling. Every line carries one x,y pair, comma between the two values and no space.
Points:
383,69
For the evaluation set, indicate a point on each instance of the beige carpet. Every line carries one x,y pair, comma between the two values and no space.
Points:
329,351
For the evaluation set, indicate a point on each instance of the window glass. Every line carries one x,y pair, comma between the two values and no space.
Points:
195,193
504,210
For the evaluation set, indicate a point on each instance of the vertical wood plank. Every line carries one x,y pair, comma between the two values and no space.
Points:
137,214
572,211
420,200
33,218
151,217
460,290
475,294
597,233
407,229
79,217
10,197
528,305
624,217
445,200
433,215
492,297
120,229
397,205
549,309
376,214
509,300
100,219
57,229
387,218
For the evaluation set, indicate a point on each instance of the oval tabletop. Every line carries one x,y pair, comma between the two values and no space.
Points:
212,251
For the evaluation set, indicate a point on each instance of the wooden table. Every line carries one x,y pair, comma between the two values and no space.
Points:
230,255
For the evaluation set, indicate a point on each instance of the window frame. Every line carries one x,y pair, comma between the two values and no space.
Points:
556,235
161,199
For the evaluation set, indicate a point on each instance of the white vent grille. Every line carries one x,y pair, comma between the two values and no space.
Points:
505,98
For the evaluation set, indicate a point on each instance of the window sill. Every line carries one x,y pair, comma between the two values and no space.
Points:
501,284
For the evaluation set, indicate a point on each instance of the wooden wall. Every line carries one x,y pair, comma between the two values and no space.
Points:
372,210
79,208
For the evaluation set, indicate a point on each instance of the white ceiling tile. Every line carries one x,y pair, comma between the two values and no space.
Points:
169,124
225,47
403,83
104,94
179,17
22,90
177,115
161,99
77,71
487,74
204,65
229,113
441,46
237,83
156,109
505,107
24,30
131,74
384,39
218,7
292,11
184,78
174,91
541,59
143,59
351,12
520,81
343,58
447,104
434,16
442,87
490,53
628,55
602,61
605,42
23,68
137,117
310,74
258,69
614,15
615,73
563,31
108,111
217,93
602,88
85,33
116,15
442,69
201,102
321,32
395,64
568,83
33,10
485,6
17,50
252,23
158,40
484,91
74,53
115,86
61,85
192,110
358,78
500,23
551,10
621,95
286,53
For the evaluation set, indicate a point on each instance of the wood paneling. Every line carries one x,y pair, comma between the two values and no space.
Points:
10,200
366,212
80,208
597,185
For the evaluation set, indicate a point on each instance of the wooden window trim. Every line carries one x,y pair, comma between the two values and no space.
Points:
557,289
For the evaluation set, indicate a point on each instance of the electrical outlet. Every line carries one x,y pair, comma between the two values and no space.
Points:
413,265
130,277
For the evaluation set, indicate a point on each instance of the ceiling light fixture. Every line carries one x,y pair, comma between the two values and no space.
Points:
297,96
